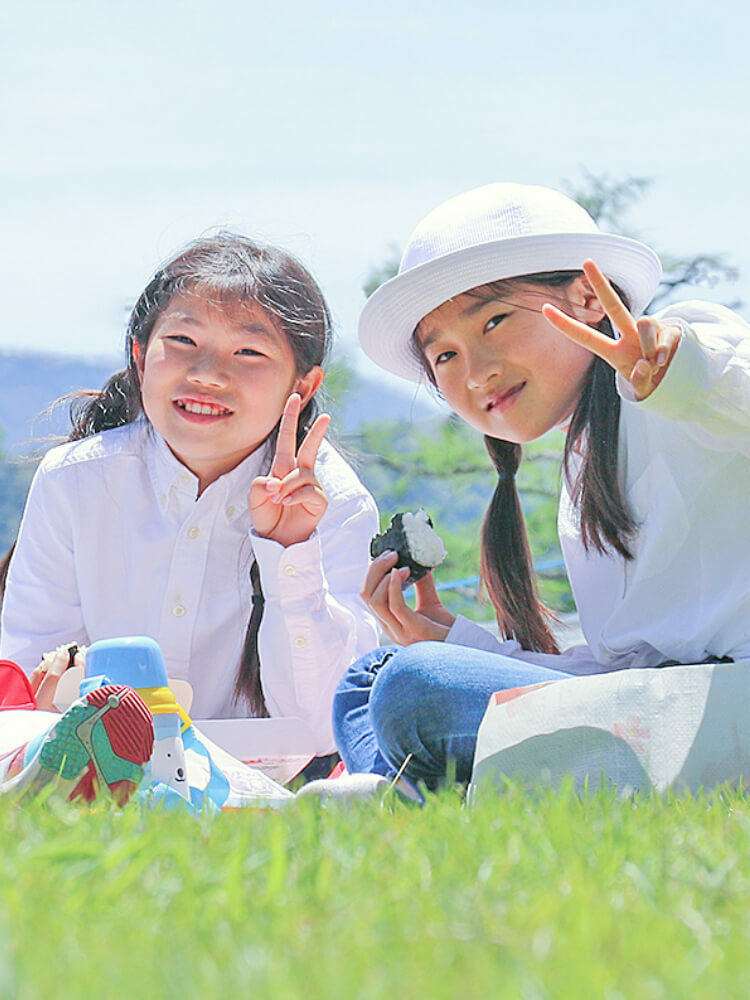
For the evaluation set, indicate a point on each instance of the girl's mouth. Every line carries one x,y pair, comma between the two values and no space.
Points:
502,401
199,411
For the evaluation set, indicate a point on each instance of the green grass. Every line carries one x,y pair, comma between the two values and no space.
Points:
522,896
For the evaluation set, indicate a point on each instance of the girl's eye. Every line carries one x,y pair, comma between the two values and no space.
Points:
181,338
443,357
250,352
495,321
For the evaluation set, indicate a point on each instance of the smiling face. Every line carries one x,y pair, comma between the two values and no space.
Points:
214,382
501,366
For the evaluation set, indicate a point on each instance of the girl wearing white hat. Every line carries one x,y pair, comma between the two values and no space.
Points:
500,304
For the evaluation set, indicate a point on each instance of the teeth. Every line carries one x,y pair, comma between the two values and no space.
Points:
202,408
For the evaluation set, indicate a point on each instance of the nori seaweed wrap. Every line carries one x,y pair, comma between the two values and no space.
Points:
413,538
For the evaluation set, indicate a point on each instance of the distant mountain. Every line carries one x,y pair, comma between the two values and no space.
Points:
29,382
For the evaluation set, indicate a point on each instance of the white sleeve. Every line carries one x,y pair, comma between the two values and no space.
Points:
315,624
707,384
465,632
42,608
577,660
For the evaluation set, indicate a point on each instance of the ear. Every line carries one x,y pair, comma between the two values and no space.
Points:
309,384
139,356
586,306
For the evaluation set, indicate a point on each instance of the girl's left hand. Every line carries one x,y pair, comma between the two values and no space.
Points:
287,505
645,348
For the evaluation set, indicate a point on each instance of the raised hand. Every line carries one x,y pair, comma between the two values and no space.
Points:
645,348
287,504
382,593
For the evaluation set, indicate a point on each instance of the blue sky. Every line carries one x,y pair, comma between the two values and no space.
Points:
128,128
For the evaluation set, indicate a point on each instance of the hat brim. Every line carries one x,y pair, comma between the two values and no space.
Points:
393,311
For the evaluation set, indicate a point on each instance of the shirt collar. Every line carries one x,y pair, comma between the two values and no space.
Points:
234,485
169,476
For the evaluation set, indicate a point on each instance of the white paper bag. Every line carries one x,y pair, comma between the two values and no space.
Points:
683,727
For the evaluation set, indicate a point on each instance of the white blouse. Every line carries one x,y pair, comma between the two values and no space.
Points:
115,541
684,461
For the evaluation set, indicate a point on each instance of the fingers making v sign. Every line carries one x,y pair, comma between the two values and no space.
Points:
287,505
645,348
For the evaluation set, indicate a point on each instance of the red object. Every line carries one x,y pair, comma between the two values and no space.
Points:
508,694
15,689
130,733
338,770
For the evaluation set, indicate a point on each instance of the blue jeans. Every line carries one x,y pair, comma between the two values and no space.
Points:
427,700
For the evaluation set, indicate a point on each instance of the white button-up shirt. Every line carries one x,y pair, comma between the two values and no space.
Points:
684,460
115,541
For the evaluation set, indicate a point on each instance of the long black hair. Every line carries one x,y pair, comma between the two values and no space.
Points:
227,270
605,518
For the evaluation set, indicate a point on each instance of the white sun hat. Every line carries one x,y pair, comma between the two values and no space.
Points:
493,232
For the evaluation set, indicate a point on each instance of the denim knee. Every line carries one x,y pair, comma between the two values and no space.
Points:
403,697
427,704
407,676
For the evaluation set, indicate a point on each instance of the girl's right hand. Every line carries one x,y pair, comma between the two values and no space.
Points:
645,349
383,595
287,505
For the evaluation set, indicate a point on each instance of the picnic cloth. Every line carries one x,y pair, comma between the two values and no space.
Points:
679,727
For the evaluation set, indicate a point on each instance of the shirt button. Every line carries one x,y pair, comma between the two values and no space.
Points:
290,570
230,511
179,611
163,499
300,641
185,477
194,531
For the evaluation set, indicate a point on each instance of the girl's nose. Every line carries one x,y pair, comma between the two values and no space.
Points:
208,370
482,366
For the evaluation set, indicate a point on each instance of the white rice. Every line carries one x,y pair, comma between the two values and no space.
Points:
425,544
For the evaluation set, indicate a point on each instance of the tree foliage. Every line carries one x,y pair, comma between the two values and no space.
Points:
379,274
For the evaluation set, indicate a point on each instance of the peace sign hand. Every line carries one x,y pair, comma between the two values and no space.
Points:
287,505
645,348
